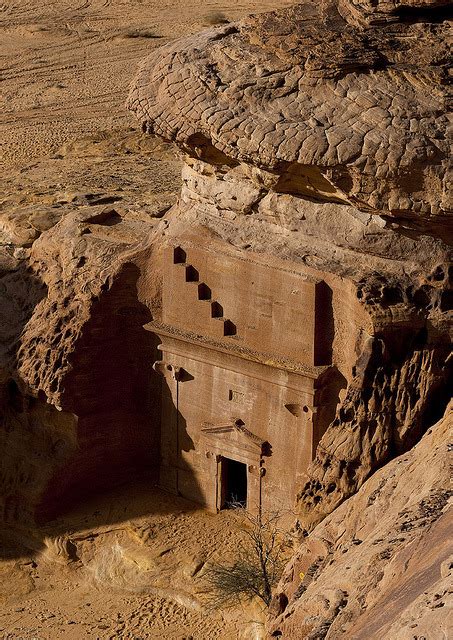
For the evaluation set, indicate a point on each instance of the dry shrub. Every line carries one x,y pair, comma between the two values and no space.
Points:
136,33
257,567
216,17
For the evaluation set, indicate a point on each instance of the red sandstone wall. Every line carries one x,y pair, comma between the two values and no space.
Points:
272,309
276,306
215,389
115,395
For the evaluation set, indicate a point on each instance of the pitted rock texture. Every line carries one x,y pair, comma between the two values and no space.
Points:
401,385
76,368
319,134
304,87
71,229
247,206
396,357
374,12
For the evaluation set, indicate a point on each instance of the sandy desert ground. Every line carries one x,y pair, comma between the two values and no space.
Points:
66,64
66,140
106,572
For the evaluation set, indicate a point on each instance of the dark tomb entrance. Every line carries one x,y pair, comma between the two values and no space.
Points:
234,483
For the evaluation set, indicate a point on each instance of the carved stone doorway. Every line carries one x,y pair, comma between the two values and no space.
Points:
233,483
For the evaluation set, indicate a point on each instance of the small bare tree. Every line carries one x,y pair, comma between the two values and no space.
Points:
258,565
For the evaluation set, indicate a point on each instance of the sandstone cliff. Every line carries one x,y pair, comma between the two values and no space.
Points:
317,134
380,566
72,337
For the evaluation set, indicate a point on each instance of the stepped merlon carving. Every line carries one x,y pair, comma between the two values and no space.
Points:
270,366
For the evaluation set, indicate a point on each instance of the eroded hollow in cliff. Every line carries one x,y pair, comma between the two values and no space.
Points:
229,387
113,392
223,396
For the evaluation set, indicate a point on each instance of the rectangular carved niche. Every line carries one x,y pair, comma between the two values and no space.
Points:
236,396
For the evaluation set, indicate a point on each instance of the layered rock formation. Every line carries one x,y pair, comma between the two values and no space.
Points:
334,111
66,407
76,413
318,133
380,566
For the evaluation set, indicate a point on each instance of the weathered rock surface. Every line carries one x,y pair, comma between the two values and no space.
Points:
319,134
67,407
369,12
325,142
365,109
381,565
71,322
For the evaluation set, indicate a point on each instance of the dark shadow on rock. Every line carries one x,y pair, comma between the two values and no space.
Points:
176,474
103,510
324,325
103,445
327,400
21,290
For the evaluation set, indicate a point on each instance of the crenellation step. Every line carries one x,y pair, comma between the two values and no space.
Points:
224,327
218,327
204,292
216,309
229,328
192,274
179,255
198,291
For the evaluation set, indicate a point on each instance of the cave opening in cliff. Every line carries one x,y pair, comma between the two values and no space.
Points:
233,483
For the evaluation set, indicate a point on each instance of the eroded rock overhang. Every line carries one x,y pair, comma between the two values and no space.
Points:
360,106
319,134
